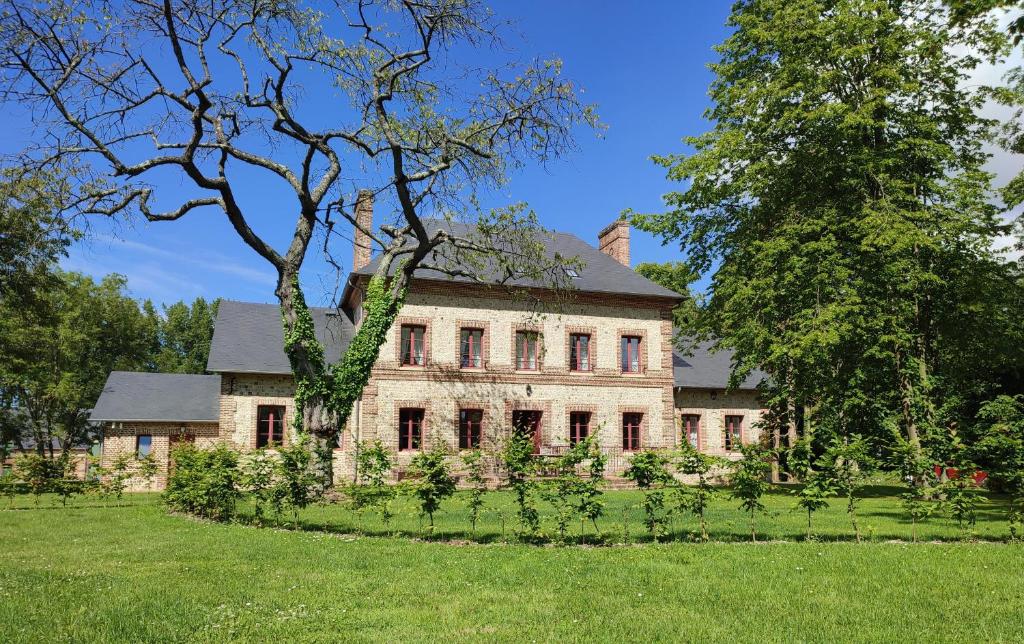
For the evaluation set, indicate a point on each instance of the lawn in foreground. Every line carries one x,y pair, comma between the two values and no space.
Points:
135,573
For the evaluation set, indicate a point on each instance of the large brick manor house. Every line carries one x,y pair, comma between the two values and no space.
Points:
464,364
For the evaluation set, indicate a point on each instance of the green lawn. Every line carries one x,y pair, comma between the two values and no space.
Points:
96,572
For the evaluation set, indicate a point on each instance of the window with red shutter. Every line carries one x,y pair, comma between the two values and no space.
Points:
410,429
471,348
413,351
269,425
691,430
579,427
631,431
630,354
579,352
470,428
733,432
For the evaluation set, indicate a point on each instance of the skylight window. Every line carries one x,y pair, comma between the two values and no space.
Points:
571,272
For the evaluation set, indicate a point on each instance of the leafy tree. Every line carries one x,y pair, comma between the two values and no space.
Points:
433,479
750,481
412,125
996,443
295,484
648,469
813,496
58,354
474,463
840,204
204,482
847,463
697,498
373,464
573,495
676,276
36,472
590,504
185,335
520,464
34,235
258,470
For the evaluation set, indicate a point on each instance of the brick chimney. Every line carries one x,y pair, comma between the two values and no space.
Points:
364,219
614,241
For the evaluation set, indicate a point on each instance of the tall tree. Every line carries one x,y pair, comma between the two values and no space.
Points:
32,233
676,276
185,335
210,90
841,199
57,355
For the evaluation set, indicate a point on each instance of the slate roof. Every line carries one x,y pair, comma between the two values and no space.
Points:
167,397
707,370
248,337
600,273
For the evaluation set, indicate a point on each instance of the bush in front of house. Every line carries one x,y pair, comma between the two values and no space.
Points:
204,482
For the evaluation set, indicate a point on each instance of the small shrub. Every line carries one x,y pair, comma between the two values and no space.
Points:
295,484
474,463
648,470
813,496
847,463
750,481
36,472
518,459
257,478
433,480
696,498
204,482
373,462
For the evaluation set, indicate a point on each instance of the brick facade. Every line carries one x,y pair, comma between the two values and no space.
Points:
441,387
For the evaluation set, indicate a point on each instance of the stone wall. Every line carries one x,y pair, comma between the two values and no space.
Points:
712,406
120,438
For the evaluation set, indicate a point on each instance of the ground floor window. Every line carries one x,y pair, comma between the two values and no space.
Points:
733,432
410,429
269,425
579,427
528,423
691,430
470,428
631,431
143,445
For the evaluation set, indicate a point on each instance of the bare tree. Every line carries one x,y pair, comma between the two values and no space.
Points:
124,92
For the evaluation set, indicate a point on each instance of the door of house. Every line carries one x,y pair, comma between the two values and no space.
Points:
528,423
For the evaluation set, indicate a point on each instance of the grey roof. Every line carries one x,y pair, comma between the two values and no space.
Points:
167,397
249,337
705,369
600,273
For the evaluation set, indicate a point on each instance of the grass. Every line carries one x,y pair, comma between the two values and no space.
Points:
129,571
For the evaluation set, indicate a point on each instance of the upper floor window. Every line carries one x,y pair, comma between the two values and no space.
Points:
630,354
579,427
413,352
733,432
410,429
471,423
631,431
471,352
143,445
579,352
691,429
269,425
527,356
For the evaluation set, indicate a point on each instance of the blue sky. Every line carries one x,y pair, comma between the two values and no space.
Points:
642,63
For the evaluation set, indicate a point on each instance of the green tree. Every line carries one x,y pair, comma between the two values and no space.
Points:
697,498
847,463
749,481
57,355
373,465
474,463
840,203
419,122
433,480
521,465
813,496
676,276
648,469
185,333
